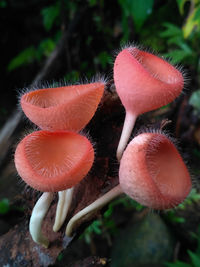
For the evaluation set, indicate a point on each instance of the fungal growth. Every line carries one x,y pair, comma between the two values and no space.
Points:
67,108
51,162
151,172
62,108
144,82
56,158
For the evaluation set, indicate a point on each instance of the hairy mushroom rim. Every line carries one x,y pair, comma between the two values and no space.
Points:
53,161
144,82
63,108
153,173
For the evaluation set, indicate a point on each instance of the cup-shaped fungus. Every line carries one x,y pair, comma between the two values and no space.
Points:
153,173
144,82
51,162
63,108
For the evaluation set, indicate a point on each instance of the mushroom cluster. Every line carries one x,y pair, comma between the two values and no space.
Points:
151,170
56,158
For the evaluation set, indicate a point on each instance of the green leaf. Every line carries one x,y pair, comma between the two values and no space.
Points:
125,5
92,2
140,10
198,241
171,30
195,100
108,212
171,216
45,48
49,15
4,206
192,22
104,59
181,4
60,256
193,194
194,258
72,76
25,57
177,55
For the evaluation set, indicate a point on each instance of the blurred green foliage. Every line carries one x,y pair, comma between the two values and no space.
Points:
171,215
138,11
107,222
194,257
4,206
195,101
50,15
144,21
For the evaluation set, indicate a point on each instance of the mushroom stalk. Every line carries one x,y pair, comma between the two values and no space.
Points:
126,133
37,217
64,202
96,205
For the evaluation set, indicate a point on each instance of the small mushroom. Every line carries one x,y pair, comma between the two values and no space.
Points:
51,162
152,172
144,82
63,108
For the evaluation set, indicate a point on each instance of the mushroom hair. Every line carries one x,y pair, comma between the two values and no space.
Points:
144,82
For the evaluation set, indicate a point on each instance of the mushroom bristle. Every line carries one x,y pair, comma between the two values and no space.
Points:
62,108
144,82
53,161
153,173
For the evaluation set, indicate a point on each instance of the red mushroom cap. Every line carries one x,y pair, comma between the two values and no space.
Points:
153,173
53,161
63,108
145,82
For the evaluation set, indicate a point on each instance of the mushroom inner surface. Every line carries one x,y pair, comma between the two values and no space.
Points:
50,97
157,67
52,155
167,168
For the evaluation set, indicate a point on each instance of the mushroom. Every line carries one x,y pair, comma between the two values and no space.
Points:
51,162
144,82
152,172
63,108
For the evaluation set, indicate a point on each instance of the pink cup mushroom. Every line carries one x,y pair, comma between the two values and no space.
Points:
151,172
144,82
51,162
63,108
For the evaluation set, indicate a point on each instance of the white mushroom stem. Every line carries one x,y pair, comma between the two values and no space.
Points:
37,217
64,202
96,205
129,123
